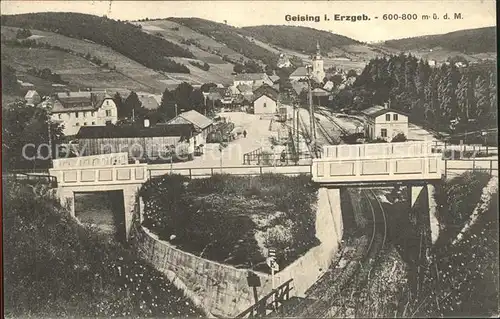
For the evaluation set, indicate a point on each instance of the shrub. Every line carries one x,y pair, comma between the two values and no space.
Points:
457,198
94,277
217,217
400,137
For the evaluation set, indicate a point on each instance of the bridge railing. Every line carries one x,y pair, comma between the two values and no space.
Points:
27,178
375,150
202,172
101,175
272,302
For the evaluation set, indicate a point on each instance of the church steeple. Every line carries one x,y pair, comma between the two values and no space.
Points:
318,51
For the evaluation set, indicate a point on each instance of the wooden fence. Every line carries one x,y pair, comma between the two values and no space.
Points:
271,303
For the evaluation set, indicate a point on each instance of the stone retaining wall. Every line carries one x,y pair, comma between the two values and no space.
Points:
223,290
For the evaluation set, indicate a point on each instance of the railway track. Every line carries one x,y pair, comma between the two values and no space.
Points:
346,281
332,120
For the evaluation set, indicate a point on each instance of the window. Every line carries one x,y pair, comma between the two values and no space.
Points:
387,117
265,104
59,116
84,123
93,113
383,132
395,117
76,114
93,123
107,102
77,124
108,112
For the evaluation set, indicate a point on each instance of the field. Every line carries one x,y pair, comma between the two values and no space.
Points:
205,51
130,74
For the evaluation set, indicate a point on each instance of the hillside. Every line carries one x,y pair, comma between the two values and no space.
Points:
124,38
470,41
300,39
229,36
67,60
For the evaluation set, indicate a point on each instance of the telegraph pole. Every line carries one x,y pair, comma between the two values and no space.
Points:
311,110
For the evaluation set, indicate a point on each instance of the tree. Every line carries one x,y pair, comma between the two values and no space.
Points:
167,106
352,73
9,79
238,68
133,107
207,86
493,100
465,98
197,101
23,34
182,94
269,70
24,126
482,95
117,98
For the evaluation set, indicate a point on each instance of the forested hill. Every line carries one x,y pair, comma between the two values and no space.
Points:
122,37
467,41
300,39
230,36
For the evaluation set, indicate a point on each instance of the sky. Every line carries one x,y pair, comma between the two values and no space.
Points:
474,13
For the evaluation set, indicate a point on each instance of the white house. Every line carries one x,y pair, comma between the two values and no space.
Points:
77,109
265,101
32,98
383,122
252,79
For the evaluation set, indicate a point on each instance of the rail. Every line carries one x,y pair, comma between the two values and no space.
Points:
26,178
203,172
476,164
272,302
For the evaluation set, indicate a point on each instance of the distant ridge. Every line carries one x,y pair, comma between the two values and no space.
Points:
468,41
297,38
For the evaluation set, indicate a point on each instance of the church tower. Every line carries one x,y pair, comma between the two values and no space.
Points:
318,72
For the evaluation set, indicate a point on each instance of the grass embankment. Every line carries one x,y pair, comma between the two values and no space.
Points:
234,219
55,268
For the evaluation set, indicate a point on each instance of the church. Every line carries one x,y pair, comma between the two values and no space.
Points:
317,73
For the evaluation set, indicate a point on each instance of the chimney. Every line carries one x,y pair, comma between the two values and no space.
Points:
386,105
146,122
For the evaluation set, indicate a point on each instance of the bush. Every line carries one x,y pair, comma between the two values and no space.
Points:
222,217
457,198
400,137
57,268
23,34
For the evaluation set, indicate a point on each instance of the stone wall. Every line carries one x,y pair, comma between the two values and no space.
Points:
223,290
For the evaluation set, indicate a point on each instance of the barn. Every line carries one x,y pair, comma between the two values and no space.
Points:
142,143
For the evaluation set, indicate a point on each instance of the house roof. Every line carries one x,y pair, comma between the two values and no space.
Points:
196,118
299,72
271,93
77,101
320,92
30,94
378,110
112,131
274,78
298,87
249,76
265,88
243,88
149,102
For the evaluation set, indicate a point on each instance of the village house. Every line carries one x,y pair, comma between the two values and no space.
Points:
32,98
202,124
265,100
253,80
77,109
142,143
384,122
149,101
